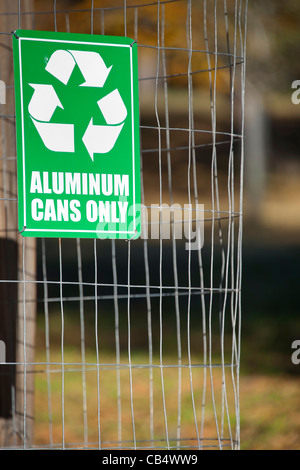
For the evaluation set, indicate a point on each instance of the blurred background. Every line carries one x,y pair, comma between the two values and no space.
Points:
269,383
272,225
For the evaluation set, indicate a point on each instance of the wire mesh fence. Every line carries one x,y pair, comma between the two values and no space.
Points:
116,344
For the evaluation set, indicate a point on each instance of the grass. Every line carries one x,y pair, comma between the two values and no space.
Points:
269,416
108,399
269,402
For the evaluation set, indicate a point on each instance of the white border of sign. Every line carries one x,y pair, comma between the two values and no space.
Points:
132,232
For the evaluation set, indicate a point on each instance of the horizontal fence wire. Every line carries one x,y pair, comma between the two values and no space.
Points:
135,344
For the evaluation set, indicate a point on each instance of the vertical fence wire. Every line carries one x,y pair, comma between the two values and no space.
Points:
160,223
24,348
82,342
149,316
47,341
97,344
62,344
190,85
212,89
242,27
117,338
174,250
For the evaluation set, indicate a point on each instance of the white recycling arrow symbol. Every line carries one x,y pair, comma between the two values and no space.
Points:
59,137
44,102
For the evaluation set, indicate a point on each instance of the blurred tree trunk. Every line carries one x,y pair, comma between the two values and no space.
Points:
18,259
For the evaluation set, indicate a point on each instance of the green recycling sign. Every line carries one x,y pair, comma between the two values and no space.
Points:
78,151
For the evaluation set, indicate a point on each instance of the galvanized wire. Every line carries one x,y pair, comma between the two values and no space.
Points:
215,416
